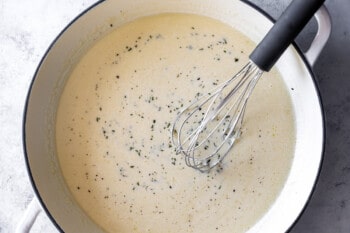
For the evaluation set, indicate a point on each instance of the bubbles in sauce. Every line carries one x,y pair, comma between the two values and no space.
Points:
113,130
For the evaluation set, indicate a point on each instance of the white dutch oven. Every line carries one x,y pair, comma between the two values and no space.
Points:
50,77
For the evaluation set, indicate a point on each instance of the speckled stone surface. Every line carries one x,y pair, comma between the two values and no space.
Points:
27,29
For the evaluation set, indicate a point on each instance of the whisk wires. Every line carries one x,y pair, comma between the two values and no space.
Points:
206,130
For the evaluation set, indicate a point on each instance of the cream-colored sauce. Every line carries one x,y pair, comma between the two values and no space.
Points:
113,130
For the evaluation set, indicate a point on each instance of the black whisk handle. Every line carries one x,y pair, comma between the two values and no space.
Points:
284,31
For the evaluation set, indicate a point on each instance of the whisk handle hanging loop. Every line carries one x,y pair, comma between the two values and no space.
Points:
284,31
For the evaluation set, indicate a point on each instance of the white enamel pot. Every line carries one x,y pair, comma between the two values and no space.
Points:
48,82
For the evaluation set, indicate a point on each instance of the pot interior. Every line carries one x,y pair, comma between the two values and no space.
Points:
39,124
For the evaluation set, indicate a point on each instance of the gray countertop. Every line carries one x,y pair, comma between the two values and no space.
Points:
28,27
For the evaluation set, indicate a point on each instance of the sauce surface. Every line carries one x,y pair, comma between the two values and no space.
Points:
113,130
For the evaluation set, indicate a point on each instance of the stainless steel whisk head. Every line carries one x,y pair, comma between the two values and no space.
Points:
206,130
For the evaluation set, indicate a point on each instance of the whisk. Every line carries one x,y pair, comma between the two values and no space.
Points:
206,130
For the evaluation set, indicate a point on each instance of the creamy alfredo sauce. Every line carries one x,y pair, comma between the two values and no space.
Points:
113,130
